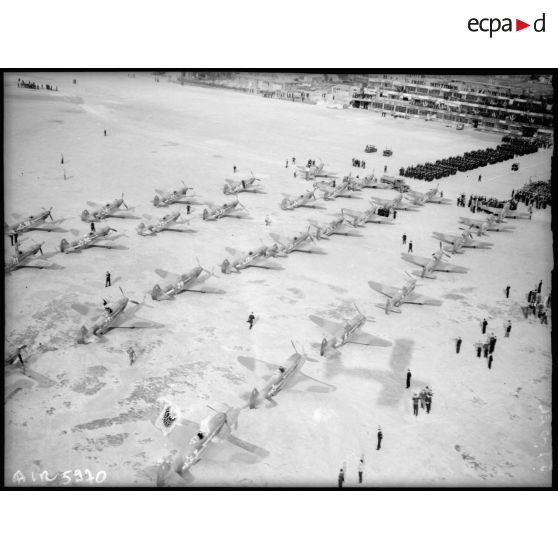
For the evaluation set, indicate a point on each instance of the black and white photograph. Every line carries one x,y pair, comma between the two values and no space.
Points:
278,279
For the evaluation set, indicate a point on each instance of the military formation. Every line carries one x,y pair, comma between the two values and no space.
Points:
470,160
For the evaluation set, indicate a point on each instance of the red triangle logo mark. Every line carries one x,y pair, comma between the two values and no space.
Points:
519,25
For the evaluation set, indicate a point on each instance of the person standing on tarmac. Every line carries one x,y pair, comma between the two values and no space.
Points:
341,478
107,279
360,470
404,237
508,329
416,400
428,400
410,246
508,291
251,319
484,323
458,344
408,378
380,436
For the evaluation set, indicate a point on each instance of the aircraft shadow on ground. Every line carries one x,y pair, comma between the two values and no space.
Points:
392,380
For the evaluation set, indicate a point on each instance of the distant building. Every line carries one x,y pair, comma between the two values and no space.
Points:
513,105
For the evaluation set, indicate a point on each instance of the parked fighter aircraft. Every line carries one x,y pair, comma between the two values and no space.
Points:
226,210
243,185
339,225
464,240
331,190
396,297
114,318
214,428
435,263
315,171
505,212
418,198
349,332
242,261
164,199
396,203
181,283
308,199
369,181
32,223
295,244
111,209
22,257
88,241
360,218
491,223
163,224
282,376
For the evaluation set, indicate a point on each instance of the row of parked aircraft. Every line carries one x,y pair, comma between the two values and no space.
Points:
337,334
220,424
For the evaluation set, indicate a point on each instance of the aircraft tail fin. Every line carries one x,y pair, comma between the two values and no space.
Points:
63,245
157,293
285,203
85,215
253,399
156,200
225,266
83,333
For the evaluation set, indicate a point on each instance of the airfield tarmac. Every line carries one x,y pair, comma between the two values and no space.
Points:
91,410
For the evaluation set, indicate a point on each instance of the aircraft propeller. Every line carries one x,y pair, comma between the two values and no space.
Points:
123,202
133,301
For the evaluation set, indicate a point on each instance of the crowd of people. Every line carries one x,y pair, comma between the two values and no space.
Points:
358,163
537,306
537,193
34,85
470,160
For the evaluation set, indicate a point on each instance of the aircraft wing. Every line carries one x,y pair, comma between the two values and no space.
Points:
262,367
415,298
233,252
378,219
488,209
478,244
467,221
384,289
363,338
267,265
417,260
445,266
514,214
123,215
450,238
331,327
129,323
172,277
231,182
41,264
352,212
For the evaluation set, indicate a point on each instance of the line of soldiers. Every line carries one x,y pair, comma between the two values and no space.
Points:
358,163
470,160
33,85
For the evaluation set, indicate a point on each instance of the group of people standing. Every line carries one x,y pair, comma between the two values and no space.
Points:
33,85
536,306
358,163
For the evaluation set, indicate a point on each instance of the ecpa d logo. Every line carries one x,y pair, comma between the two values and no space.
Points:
494,24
